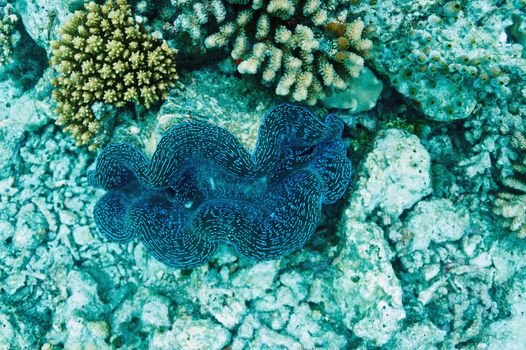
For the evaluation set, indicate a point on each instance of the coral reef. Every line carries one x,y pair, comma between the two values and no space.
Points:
302,49
426,252
7,21
105,56
202,188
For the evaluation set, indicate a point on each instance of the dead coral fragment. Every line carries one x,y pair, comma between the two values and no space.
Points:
105,56
511,206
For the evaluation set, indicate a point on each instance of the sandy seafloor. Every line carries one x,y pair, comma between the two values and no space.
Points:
424,251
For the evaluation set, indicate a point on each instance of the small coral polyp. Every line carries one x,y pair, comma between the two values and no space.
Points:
105,56
202,188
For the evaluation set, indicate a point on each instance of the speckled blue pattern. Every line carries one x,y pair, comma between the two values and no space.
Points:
202,188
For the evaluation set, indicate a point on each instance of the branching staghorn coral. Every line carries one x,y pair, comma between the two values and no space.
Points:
7,21
105,56
512,206
303,48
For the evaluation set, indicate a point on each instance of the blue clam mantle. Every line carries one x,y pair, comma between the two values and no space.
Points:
202,187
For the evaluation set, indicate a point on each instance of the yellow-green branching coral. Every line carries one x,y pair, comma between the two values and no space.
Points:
105,56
